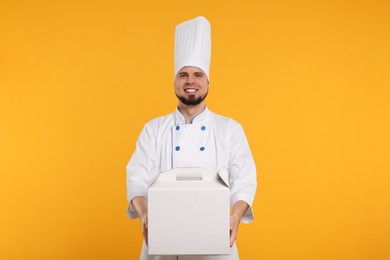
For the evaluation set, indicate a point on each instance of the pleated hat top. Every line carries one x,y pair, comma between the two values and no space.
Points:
193,44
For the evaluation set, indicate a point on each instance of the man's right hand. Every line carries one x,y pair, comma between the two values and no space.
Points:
140,205
144,226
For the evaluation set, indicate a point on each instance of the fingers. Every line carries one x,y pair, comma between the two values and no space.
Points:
145,232
233,235
144,226
233,230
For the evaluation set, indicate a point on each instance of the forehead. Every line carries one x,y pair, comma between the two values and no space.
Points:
190,69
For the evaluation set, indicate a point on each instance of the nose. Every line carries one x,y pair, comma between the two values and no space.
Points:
190,80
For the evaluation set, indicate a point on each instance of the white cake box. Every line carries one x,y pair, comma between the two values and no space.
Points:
189,213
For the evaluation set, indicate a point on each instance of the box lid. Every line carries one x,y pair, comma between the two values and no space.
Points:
191,178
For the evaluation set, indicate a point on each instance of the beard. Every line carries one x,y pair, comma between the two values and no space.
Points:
192,100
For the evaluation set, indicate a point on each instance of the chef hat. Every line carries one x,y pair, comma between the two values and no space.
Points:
193,44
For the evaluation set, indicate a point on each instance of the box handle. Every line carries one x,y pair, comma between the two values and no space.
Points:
189,176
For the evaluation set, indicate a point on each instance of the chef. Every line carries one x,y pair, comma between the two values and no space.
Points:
192,136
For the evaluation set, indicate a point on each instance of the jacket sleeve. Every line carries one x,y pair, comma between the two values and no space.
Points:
242,171
139,168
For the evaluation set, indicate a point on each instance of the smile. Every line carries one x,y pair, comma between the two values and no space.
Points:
190,90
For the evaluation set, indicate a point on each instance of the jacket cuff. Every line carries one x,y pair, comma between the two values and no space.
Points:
248,216
131,212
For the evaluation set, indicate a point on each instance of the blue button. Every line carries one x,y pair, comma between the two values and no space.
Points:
177,127
203,128
177,148
202,148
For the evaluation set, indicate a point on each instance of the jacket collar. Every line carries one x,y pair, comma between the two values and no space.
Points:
180,119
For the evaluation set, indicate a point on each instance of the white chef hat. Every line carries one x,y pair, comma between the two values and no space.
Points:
193,44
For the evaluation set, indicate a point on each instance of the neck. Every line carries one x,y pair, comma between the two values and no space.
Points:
189,112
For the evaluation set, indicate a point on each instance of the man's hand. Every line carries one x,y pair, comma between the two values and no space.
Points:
141,206
239,209
234,222
144,227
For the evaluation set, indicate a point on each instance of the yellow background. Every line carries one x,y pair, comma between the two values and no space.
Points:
308,80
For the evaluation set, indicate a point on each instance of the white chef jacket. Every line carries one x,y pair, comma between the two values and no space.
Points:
217,142
211,141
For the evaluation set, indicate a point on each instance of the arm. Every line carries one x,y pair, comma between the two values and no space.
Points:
242,178
238,211
139,169
242,173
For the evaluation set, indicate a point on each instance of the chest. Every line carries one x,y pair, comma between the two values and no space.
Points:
193,145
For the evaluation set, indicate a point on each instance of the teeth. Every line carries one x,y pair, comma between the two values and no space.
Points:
191,90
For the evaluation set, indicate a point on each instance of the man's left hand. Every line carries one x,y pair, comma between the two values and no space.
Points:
234,222
239,209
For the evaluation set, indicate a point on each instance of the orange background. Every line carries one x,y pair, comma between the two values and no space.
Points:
308,80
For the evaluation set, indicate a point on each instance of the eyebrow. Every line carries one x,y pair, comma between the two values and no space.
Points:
186,73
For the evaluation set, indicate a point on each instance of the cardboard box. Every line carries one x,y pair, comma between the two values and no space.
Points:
189,213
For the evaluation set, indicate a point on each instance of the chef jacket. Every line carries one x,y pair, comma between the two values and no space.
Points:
210,141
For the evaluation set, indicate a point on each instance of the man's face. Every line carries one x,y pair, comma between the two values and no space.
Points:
191,85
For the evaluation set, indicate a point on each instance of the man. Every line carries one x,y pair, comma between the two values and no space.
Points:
192,136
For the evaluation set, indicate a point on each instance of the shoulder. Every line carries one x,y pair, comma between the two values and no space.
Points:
226,128
224,122
160,121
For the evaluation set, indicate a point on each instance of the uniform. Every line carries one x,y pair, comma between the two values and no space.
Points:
211,141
